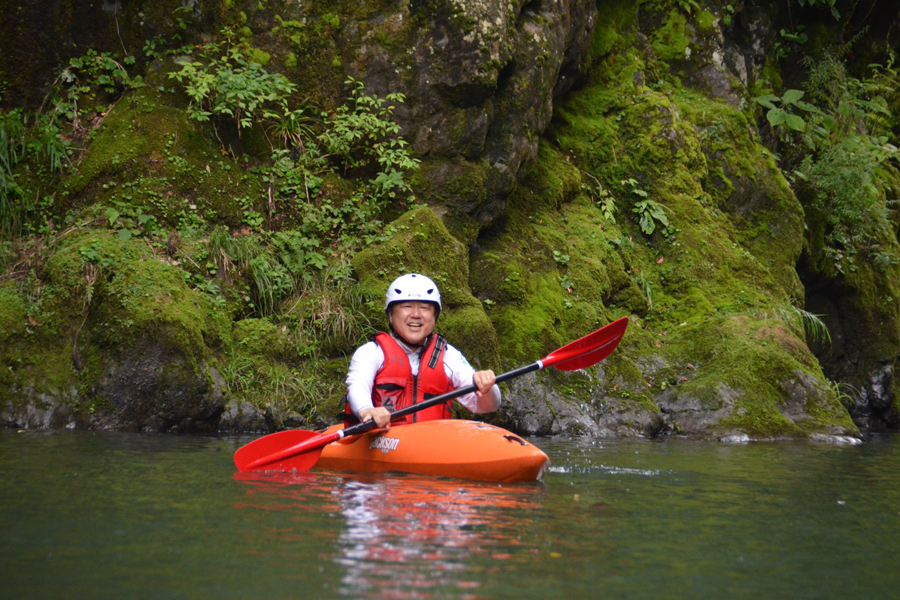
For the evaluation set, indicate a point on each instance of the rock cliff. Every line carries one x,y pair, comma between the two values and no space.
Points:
575,162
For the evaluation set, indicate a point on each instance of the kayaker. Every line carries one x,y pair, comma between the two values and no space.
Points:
412,363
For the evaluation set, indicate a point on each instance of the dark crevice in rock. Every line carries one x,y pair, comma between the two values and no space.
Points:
854,356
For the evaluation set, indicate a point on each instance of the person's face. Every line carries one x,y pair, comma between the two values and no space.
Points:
414,321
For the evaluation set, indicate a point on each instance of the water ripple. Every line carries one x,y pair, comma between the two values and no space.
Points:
603,469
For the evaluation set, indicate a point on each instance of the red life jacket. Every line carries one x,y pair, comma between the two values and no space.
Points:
395,386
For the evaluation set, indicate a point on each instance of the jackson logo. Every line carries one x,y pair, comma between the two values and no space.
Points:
385,444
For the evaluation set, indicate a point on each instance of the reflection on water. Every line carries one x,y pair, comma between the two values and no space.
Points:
405,533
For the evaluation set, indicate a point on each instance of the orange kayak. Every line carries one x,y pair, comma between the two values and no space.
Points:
448,448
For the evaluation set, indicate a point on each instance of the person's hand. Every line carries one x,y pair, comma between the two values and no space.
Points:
484,381
379,414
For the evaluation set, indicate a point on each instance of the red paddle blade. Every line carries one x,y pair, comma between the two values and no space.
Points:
272,444
590,349
299,462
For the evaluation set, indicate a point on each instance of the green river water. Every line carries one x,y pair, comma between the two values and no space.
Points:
128,516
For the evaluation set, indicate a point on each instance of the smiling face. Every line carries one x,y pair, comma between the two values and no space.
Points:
414,321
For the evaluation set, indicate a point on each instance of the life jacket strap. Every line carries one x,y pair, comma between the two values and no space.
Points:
436,352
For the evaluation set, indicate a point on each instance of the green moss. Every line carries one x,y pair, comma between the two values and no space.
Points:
705,21
469,329
12,314
331,20
709,286
259,56
453,185
137,298
260,337
672,39
149,155
759,420
548,274
612,18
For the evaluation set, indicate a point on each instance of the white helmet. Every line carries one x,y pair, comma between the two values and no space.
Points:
413,286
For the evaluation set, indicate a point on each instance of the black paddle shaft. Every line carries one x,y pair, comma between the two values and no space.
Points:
370,424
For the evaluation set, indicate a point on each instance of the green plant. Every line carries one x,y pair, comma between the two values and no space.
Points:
601,198
300,254
12,150
842,159
802,320
251,217
89,83
228,85
329,311
560,258
780,113
847,394
24,136
94,253
292,127
650,213
689,6
648,291
822,3
360,141
729,14
361,135
131,221
798,36
271,283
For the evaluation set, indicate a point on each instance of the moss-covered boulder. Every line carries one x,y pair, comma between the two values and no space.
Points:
120,340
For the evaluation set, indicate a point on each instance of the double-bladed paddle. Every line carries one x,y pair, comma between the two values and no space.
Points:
303,448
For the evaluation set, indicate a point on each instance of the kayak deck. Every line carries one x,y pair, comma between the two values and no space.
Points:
445,448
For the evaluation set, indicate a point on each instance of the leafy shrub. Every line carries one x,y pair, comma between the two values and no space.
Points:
362,135
89,83
780,113
838,148
230,86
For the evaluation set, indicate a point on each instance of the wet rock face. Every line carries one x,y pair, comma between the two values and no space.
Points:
153,390
719,50
480,79
535,406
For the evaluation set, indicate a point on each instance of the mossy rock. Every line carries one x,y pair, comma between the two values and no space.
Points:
454,187
752,376
139,345
146,153
12,314
558,263
548,272
261,338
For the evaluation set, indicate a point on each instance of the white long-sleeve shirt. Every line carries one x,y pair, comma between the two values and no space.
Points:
368,360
